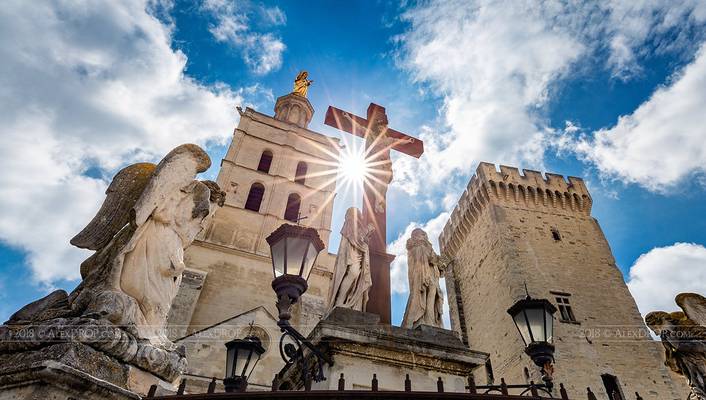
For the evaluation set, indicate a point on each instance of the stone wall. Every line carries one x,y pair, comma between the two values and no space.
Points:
509,230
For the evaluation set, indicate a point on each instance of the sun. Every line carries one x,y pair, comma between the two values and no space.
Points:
353,167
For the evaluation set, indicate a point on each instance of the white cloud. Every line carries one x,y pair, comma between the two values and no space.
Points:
663,272
661,142
630,24
261,51
88,87
495,64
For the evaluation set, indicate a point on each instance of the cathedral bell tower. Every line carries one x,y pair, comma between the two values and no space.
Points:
275,171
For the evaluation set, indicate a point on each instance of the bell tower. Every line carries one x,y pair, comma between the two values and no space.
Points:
511,229
275,171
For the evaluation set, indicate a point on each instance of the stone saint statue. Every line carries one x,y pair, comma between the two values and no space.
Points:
301,84
151,213
683,335
426,300
351,273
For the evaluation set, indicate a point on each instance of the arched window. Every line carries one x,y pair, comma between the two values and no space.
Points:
257,191
265,161
300,176
291,213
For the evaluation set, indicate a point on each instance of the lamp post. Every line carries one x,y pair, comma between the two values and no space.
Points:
535,321
294,250
241,357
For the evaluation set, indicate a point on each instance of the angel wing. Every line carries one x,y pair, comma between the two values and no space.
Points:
121,196
175,172
694,306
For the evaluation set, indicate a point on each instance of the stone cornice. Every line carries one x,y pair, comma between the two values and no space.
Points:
328,141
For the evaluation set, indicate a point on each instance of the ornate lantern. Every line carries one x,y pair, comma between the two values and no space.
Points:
294,250
535,321
241,357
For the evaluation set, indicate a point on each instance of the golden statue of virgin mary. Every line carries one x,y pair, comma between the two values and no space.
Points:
301,84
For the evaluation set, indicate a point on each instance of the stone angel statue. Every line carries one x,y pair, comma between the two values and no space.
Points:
151,213
301,84
424,269
683,335
351,274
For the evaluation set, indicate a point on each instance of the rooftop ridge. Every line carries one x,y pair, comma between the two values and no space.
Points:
506,185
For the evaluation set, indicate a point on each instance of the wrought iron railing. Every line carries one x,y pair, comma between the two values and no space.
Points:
502,391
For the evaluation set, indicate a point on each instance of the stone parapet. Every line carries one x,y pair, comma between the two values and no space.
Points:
360,346
509,188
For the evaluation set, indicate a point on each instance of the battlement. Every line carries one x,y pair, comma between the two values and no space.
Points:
508,187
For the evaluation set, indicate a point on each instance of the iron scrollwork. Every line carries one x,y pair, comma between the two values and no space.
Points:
292,351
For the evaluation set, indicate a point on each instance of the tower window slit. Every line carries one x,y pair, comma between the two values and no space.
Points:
556,235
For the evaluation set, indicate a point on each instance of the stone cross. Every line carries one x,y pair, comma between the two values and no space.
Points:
379,140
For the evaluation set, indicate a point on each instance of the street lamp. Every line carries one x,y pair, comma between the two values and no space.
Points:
241,357
294,250
535,321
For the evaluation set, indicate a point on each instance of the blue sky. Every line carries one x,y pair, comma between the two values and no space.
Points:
613,92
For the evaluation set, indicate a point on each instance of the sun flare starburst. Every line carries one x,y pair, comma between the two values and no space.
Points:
353,166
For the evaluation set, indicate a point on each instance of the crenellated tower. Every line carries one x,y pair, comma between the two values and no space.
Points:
509,230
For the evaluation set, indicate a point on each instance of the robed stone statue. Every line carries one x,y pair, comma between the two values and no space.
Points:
351,274
426,300
683,335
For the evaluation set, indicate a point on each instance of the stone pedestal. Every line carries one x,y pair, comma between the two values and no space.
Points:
51,380
361,347
54,370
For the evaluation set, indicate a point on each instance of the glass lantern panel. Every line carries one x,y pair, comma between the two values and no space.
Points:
278,257
242,357
254,358
521,323
296,249
230,355
536,321
549,325
311,254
